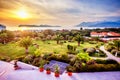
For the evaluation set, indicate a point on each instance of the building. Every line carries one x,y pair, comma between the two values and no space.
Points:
2,27
104,34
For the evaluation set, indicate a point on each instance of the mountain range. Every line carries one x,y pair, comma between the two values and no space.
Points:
100,24
38,25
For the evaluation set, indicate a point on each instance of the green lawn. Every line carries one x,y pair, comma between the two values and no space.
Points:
12,49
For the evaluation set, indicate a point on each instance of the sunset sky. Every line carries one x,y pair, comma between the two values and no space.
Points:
57,12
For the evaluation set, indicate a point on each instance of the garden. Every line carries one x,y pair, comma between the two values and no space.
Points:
34,48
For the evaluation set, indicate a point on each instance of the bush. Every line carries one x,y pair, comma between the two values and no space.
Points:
5,59
91,50
100,67
113,51
64,58
20,58
109,61
70,68
59,57
38,52
109,48
46,56
84,49
83,56
29,58
118,53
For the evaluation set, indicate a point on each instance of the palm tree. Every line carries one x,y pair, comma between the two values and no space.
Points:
116,43
79,38
57,38
25,42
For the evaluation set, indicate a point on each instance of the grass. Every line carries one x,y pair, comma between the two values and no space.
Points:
12,49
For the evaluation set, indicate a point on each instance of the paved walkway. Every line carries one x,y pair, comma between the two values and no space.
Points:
109,55
34,74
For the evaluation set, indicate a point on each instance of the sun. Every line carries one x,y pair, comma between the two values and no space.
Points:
22,14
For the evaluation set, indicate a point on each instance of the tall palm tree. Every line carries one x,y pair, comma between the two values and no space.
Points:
79,38
57,38
25,42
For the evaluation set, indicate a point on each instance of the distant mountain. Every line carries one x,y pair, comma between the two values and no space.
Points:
2,26
100,24
37,26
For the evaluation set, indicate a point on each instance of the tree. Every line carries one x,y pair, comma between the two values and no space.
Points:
6,36
58,38
116,43
79,38
25,42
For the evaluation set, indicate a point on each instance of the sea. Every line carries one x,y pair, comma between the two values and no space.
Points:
52,28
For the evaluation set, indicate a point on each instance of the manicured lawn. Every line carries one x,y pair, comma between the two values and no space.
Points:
12,49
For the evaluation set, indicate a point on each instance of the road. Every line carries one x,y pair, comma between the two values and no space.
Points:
109,55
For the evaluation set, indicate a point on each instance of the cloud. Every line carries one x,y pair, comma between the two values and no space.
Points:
65,12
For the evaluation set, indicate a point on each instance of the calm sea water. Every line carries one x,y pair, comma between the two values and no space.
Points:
52,28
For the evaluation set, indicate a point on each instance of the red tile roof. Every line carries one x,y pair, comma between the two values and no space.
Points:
105,33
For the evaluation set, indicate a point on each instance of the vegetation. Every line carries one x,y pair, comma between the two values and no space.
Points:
113,47
79,38
6,36
25,42
56,68
71,48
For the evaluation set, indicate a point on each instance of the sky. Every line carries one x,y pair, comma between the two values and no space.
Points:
57,12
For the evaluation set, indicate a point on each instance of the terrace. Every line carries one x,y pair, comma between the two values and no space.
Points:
32,73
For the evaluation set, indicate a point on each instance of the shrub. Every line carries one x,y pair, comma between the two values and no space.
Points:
83,56
36,61
99,61
113,51
20,58
5,59
70,68
118,53
46,56
38,52
71,49
109,61
64,58
91,50
84,49
109,48
91,62
100,67
29,58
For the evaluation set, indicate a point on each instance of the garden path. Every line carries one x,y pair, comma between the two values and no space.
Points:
109,55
